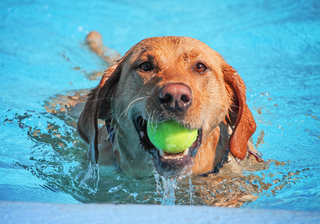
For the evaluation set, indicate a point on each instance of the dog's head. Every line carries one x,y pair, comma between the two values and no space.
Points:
160,79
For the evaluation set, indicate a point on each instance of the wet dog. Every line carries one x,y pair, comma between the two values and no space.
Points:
160,79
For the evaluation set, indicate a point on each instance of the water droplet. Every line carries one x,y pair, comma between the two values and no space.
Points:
80,28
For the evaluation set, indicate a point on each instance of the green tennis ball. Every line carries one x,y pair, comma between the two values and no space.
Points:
170,136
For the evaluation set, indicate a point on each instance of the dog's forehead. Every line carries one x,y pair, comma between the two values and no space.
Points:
186,46
170,41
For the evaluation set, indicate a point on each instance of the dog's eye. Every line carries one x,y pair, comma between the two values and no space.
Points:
200,67
146,66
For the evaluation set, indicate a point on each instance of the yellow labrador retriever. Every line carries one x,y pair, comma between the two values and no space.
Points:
160,79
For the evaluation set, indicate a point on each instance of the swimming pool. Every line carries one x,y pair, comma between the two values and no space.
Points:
274,45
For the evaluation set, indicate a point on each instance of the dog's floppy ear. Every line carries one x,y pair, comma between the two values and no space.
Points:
239,114
97,106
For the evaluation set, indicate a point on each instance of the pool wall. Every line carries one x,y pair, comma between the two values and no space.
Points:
29,212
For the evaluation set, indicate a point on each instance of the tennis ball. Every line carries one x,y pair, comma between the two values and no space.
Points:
170,136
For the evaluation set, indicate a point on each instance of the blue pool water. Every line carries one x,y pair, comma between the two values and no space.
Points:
274,45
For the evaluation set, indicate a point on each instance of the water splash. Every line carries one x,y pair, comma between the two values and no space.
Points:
157,178
91,178
190,186
167,187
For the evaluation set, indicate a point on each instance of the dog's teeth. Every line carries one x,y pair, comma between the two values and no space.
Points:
180,156
186,152
161,152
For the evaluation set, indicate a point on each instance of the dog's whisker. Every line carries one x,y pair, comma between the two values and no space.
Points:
130,104
150,115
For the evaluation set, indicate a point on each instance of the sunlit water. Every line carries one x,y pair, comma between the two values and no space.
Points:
274,45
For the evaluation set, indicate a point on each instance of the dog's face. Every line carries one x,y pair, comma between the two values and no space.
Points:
161,79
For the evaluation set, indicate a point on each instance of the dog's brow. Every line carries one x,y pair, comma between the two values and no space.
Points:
135,55
139,57
193,53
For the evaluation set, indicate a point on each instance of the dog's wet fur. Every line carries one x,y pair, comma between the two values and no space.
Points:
160,79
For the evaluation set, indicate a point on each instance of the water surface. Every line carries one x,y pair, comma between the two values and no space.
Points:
274,46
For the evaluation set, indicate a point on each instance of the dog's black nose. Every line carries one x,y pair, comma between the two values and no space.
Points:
175,97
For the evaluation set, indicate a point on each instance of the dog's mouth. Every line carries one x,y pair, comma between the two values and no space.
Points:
167,163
